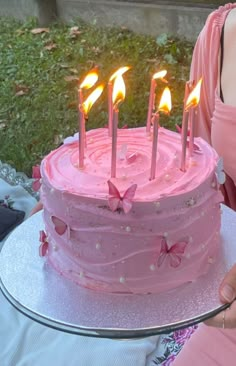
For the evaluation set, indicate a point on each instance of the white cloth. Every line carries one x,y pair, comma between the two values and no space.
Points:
24,342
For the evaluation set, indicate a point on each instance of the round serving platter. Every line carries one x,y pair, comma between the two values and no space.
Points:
36,290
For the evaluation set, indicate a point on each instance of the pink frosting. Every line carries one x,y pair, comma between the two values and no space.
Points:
169,237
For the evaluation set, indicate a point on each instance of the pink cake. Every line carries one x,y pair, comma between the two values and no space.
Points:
130,234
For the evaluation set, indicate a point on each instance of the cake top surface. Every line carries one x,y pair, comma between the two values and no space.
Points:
134,148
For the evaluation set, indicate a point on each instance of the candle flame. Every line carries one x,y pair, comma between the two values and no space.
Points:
194,96
118,72
118,94
89,80
160,74
165,101
87,105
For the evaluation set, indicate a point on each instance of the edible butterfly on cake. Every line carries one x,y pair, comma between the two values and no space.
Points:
117,201
219,177
43,248
125,155
59,225
173,254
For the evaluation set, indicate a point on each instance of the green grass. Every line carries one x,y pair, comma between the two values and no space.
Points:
34,123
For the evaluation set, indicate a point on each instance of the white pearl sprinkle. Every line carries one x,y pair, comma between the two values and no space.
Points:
52,190
98,246
210,260
152,267
55,248
157,204
128,229
191,202
213,184
165,235
122,280
167,177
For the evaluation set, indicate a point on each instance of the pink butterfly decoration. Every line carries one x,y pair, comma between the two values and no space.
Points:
59,225
43,248
131,158
115,199
174,253
36,175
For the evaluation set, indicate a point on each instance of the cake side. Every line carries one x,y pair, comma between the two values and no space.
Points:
169,237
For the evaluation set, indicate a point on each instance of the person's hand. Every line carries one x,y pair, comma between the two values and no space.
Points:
227,290
36,208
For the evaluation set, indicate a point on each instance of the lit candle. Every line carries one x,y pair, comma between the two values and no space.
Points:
165,107
87,83
151,106
84,110
118,97
191,102
192,117
120,71
184,137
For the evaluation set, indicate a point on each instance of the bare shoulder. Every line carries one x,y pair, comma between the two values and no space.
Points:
230,22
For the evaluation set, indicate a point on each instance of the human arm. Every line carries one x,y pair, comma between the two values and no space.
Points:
36,208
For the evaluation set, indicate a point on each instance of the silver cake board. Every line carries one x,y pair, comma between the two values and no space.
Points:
39,292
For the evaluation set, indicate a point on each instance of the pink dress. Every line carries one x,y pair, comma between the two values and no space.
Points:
217,124
217,120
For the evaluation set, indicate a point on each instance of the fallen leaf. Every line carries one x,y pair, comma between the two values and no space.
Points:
74,71
40,30
50,46
96,50
19,93
58,139
74,32
64,66
74,29
21,89
71,78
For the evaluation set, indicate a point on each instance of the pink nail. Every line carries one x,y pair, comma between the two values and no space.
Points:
228,293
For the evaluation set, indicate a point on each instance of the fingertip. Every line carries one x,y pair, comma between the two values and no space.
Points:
227,293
